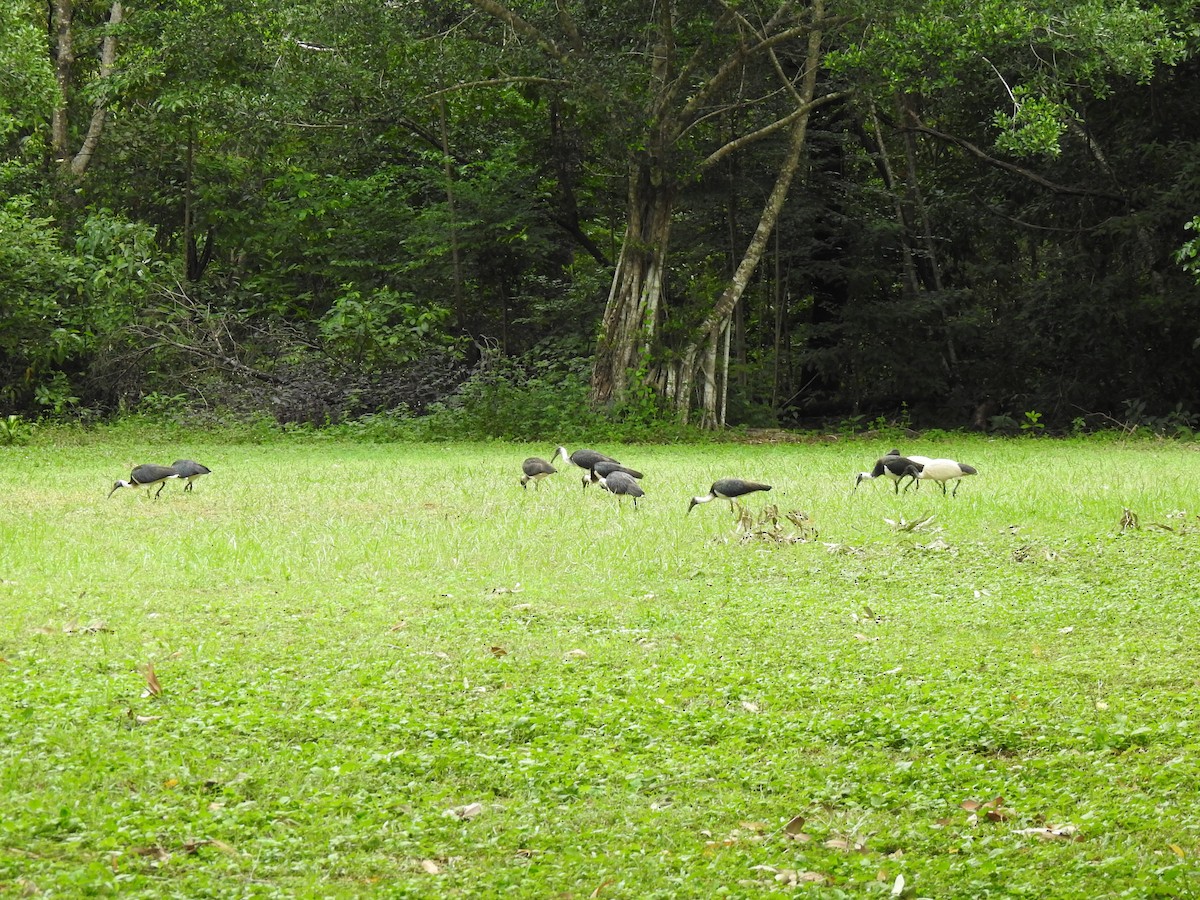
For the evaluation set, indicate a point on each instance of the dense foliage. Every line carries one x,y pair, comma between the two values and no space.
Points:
320,213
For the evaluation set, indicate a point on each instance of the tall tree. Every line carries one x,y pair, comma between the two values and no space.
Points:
680,64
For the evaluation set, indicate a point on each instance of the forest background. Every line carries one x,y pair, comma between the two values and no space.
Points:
504,216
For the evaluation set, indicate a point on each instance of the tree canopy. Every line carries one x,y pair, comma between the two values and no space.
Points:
757,212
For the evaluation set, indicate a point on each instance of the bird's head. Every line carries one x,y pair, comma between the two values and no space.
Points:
859,479
561,451
119,484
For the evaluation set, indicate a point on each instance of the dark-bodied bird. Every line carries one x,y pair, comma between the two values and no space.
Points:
147,476
622,485
190,470
895,467
943,470
729,489
605,468
584,459
535,469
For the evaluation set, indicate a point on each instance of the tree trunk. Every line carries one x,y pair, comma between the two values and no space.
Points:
710,331
718,319
64,58
725,378
638,286
639,282
460,304
62,16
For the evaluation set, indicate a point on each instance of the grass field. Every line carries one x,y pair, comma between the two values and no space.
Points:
387,670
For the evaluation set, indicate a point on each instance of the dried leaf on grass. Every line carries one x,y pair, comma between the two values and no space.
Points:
768,527
793,877
431,867
153,688
848,844
794,830
465,813
990,810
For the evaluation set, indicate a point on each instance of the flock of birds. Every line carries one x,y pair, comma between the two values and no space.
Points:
623,481
617,479
147,476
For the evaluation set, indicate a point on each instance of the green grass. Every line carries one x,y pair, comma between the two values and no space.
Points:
353,640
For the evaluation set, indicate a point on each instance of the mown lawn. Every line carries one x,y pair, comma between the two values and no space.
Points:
387,670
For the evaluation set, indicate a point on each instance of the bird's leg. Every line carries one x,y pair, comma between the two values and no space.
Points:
944,488
954,493
896,485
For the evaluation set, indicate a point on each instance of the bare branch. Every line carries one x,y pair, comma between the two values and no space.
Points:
766,131
981,154
1007,89
732,64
